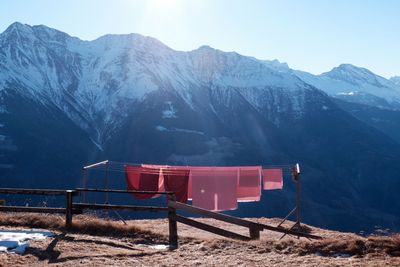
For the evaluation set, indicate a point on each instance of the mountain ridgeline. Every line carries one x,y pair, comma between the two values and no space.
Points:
65,103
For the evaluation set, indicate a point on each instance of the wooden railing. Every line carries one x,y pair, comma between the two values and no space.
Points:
171,208
72,207
44,192
254,228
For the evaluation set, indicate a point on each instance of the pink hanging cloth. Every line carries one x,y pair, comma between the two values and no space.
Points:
273,179
249,184
142,179
176,180
214,188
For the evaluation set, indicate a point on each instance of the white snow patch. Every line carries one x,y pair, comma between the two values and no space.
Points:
349,93
186,131
161,128
170,112
173,129
341,255
158,247
16,241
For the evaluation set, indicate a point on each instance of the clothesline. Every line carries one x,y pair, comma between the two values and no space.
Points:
114,166
212,188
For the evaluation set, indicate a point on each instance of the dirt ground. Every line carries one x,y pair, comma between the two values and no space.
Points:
199,248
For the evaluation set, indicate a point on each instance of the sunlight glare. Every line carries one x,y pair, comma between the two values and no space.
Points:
164,9
162,16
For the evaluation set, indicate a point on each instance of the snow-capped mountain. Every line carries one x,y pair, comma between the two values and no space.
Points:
96,82
355,84
367,96
65,102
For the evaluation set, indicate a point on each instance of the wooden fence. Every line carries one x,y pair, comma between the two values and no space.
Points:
72,207
171,208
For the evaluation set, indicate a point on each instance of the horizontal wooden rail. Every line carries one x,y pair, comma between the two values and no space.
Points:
72,208
32,209
254,227
214,215
288,231
51,192
122,191
117,207
207,227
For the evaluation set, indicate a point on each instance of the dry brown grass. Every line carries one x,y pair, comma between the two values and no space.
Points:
81,224
335,244
32,220
389,245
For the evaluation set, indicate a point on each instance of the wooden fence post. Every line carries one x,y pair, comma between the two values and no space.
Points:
68,208
173,228
254,233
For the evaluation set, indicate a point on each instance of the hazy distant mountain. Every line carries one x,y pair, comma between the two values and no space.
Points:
358,85
65,102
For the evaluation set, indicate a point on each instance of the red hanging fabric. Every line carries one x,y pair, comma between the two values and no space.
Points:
159,169
176,180
273,179
142,179
173,179
132,175
249,184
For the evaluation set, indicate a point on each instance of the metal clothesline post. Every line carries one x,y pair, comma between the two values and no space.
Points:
298,193
296,178
106,180
84,182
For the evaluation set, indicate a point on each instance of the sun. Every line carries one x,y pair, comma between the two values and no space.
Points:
161,15
165,6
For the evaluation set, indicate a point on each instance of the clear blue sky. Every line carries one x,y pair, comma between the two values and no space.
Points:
311,35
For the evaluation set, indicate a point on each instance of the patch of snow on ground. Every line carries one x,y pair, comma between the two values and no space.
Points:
158,247
16,241
341,255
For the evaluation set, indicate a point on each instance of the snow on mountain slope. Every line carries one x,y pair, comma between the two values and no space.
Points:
97,82
356,84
